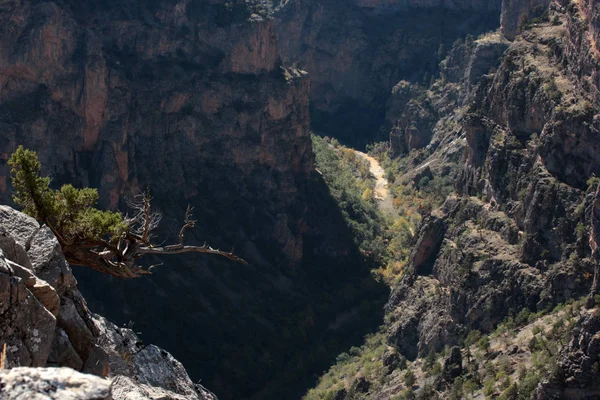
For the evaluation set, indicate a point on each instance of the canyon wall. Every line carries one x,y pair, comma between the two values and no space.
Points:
356,52
514,239
516,13
191,99
126,103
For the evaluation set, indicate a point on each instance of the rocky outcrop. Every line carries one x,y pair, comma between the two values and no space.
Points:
356,52
522,242
582,47
516,13
416,116
470,60
412,117
474,279
576,373
52,384
27,326
49,324
412,4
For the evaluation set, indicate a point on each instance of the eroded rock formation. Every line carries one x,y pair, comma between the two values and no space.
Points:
46,323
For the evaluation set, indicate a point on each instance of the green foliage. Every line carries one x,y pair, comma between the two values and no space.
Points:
470,386
552,90
406,394
456,391
409,378
483,344
430,359
511,393
472,338
593,183
366,360
489,387
69,212
580,230
428,393
528,383
349,184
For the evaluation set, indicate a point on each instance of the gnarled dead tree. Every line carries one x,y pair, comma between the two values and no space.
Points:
103,240
120,259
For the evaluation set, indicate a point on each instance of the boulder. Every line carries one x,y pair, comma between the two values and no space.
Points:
52,384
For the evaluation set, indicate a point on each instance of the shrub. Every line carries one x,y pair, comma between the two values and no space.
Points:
409,378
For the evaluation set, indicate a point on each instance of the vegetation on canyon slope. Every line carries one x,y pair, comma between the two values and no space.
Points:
495,295
385,240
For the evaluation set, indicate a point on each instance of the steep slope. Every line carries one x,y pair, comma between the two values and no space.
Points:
356,51
191,99
46,323
512,244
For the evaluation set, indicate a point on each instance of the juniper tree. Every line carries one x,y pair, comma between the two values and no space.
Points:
106,241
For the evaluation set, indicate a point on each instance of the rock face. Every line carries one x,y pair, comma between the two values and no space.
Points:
52,384
49,324
190,98
356,52
534,184
516,13
186,87
576,374
412,120
415,4
418,116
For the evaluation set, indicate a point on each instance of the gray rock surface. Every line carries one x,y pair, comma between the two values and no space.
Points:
49,324
26,326
52,384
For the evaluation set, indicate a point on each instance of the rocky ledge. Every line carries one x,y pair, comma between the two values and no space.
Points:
46,323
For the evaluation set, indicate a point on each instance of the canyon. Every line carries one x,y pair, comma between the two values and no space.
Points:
487,112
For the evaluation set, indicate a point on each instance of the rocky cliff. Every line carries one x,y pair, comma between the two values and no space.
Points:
110,87
356,52
46,323
191,98
516,13
492,269
531,138
416,4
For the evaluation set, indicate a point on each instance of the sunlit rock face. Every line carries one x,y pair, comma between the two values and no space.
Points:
46,323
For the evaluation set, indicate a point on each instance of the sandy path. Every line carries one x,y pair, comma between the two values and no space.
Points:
382,194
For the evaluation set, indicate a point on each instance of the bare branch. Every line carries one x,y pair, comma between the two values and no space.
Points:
188,223
120,259
167,250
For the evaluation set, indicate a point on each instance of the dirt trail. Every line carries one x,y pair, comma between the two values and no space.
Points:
382,194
